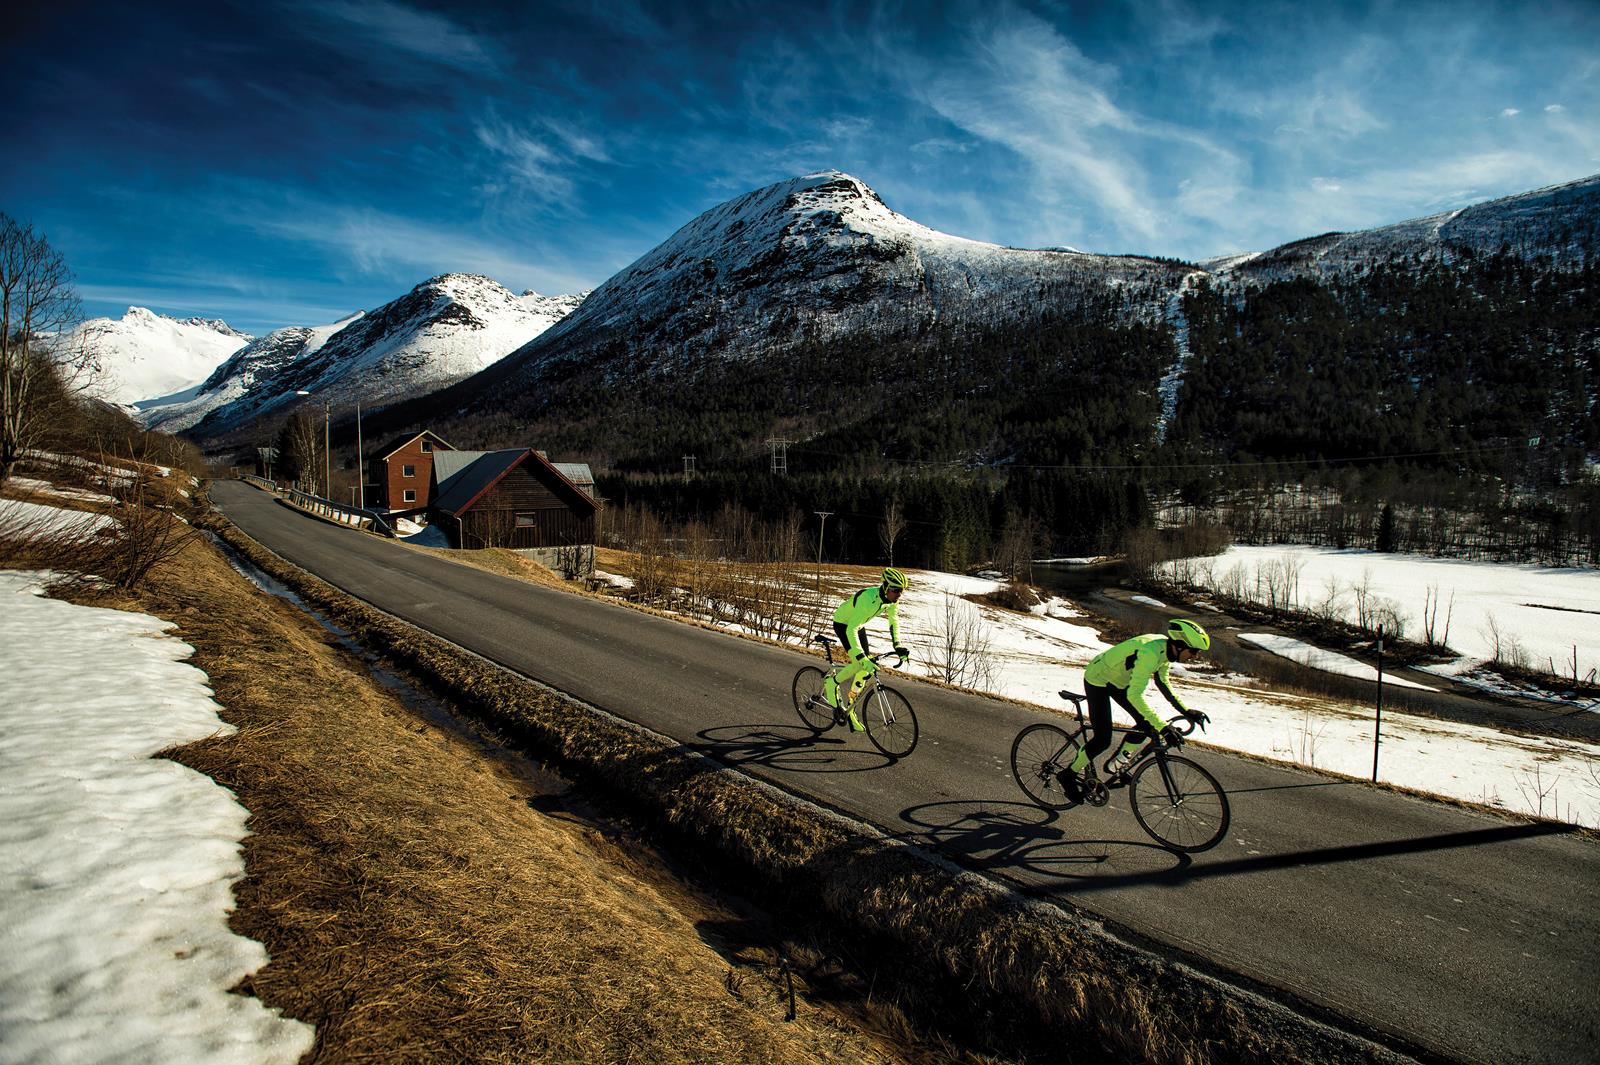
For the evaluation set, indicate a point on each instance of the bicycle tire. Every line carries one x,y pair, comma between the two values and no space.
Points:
809,702
1183,808
891,723
1038,753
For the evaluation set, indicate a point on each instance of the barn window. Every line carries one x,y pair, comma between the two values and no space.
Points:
408,471
427,447
526,520
411,495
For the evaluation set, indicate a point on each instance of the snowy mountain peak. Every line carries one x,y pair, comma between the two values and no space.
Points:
446,328
1560,222
143,354
811,257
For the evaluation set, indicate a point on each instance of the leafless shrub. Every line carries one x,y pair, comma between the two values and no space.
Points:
1432,634
960,653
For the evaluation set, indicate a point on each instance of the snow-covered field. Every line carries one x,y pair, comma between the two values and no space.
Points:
1032,656
116,868
1549,614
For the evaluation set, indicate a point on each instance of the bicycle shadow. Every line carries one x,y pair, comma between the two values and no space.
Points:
790,748
1002,836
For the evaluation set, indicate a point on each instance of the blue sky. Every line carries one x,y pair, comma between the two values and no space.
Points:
285,163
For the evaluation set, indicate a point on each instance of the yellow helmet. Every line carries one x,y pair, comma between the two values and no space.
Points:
1189,634
894,578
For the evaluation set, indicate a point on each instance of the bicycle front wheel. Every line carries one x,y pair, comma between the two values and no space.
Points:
1038,754
891,723
1180,804
809,702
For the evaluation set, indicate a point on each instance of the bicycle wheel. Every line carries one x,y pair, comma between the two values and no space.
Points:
1181,805
809,702
891,723
1037,754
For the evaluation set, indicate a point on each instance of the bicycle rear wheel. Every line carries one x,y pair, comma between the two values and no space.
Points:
1180,804
1039,753
891,723
809,702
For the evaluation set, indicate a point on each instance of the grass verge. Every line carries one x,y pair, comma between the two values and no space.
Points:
958,953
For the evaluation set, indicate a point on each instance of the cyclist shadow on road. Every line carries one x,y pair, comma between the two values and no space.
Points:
1021,838
792,748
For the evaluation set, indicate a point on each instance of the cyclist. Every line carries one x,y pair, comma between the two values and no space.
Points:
849,622
1122,673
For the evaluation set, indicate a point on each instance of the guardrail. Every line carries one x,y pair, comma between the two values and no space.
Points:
259,482
339,512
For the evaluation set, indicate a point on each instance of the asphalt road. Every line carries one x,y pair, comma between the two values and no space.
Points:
1467,935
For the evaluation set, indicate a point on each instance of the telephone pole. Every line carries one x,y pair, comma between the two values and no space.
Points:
823,514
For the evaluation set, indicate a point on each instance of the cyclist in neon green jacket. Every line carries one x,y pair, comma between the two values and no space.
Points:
849,622
1122,673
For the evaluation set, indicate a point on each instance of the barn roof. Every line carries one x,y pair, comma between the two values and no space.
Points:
578,473
461,477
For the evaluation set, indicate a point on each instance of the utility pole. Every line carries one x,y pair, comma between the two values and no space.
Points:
780,454
823,514
361,461
327,456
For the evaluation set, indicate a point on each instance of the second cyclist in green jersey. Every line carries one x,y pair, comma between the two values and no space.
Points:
1122,673
849,623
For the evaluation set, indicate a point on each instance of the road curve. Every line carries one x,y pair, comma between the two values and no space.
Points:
1468,936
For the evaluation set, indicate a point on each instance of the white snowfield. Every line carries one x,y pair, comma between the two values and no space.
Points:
1548,613
116,867
1030,657
145,354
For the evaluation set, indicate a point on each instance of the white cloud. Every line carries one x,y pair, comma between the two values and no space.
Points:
398,27
1326,185
1554,109
1510,112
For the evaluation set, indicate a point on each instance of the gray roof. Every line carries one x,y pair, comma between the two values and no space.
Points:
578,473
461,475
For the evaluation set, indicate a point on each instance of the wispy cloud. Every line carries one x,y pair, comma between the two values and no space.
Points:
359,25
1510,112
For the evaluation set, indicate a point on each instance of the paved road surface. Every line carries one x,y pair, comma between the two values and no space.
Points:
1470,936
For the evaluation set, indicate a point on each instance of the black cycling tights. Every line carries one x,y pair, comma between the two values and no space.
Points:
1100,731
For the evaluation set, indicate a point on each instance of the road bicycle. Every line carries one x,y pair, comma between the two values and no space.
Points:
1177,802
891,723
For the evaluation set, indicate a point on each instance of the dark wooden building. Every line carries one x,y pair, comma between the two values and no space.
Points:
514,498
401,472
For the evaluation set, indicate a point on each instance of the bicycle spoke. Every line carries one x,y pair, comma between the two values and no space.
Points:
1039,753
891,723
1179,804
809,702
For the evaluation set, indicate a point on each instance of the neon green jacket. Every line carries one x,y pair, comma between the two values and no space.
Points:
863,607
1132,664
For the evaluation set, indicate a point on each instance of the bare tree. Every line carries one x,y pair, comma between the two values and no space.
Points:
894,525
40,365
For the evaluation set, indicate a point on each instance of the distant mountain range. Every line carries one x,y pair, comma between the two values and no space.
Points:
446,329
809,305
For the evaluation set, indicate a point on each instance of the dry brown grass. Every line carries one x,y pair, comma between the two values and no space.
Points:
956,953
423,900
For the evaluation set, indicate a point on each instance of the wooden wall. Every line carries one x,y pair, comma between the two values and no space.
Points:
549,520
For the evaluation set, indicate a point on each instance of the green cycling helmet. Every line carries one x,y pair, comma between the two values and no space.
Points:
1189,634
894,578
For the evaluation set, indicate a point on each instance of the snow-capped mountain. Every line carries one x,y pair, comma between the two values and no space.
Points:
143,354
447,328
815,257
250,371
1560,223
